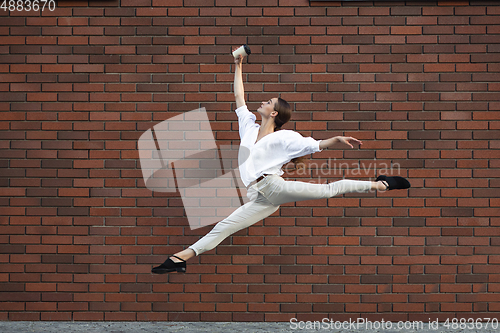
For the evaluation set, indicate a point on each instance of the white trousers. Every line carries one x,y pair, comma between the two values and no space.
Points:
265,198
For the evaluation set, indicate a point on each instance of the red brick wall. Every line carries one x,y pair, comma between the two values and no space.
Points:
417,82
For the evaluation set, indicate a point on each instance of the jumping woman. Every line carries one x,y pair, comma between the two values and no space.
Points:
269,149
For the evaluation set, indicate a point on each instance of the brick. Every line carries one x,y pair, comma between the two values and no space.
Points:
406,30
357,39
390,40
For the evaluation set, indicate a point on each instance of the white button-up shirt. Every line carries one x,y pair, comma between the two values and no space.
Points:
271,152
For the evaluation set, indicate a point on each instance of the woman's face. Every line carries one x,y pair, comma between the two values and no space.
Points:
267,108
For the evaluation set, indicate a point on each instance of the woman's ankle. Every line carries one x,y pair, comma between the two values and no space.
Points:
380,186
174,259
184,255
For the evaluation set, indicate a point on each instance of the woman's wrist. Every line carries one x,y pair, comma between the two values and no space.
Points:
323,144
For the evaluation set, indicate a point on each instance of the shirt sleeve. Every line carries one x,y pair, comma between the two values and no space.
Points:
246,119
296,145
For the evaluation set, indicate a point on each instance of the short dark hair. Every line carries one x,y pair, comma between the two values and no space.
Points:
284,113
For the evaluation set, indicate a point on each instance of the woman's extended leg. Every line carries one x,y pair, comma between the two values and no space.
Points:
243,217
278,191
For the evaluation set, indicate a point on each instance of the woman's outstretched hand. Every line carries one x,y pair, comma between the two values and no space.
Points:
347,140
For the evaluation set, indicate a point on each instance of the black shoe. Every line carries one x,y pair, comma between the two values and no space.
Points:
394,183
169,266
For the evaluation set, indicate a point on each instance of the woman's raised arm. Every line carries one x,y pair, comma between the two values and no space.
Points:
239,92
